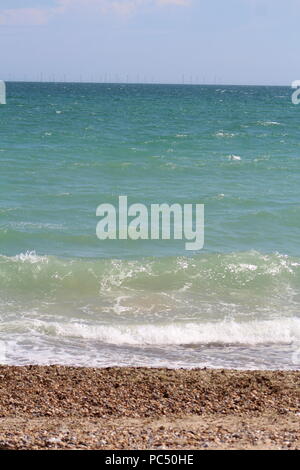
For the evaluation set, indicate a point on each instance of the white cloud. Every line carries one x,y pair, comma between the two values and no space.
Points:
174,2
24,16
125,8
40,16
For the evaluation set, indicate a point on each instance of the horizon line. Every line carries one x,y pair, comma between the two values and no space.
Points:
89,82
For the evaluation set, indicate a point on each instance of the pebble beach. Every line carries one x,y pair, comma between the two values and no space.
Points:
58,407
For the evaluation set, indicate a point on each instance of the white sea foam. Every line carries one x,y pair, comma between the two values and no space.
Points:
248,333
30,257
225,134
269,123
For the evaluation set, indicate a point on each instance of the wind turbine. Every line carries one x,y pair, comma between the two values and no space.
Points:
2,92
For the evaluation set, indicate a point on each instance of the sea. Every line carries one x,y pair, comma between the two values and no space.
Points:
68,298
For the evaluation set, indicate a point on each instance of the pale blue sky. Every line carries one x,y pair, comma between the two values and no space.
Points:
206,41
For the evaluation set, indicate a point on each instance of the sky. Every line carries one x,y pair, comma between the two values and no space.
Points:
145,41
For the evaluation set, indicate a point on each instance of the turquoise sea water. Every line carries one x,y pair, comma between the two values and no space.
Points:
67,297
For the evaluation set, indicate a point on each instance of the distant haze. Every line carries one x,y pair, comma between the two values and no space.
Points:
145,41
